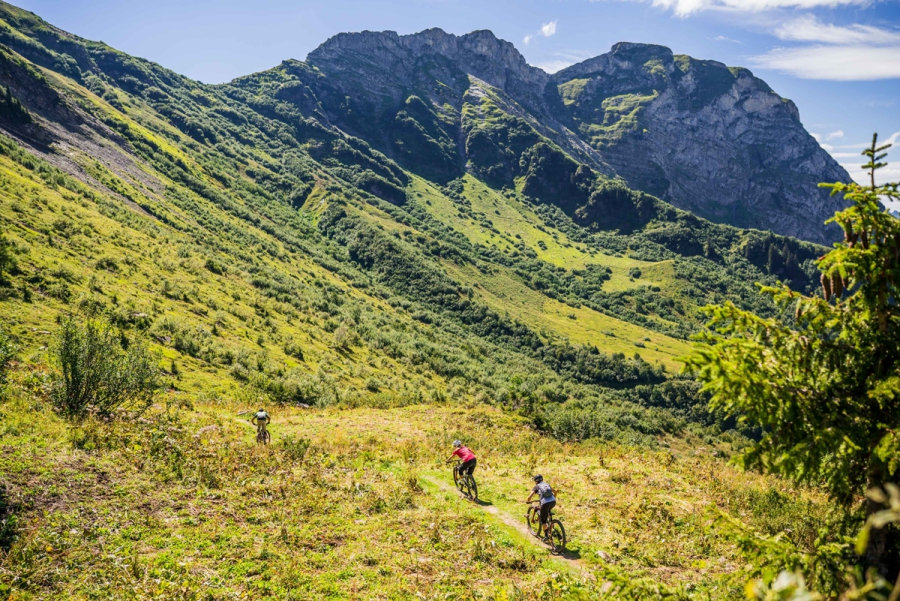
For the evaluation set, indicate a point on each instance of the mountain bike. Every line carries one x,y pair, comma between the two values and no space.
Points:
263,436
557,538
465,483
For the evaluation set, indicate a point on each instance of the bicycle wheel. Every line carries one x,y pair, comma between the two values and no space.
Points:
267,437
533,520
557,536
473,488
457,481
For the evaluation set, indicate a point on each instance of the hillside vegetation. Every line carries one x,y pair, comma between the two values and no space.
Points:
354,503
261,246
381,300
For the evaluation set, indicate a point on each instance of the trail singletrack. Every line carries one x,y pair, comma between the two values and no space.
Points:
519,526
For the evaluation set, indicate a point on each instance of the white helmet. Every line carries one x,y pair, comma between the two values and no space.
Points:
457,443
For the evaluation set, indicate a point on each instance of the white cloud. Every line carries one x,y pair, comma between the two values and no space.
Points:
809,29
836,52
563,59
835,134
552,66
722,38
853,161
684,8
836,63
546,30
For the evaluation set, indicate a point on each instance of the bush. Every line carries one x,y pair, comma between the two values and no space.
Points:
7,263
7,352
293,349
215,267
101,370
294,447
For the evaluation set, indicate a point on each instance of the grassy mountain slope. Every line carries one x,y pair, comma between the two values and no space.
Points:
520,299
182,506
252,194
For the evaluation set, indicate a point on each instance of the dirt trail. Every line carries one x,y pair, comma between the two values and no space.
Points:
519,526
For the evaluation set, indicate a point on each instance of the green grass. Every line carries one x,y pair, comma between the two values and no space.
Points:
183,504
579,325
203,224
149,261
621,117
571,90
518,224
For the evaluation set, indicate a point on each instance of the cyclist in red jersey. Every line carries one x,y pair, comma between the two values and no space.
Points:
466,456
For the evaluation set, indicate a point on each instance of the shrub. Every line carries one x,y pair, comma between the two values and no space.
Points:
343,338
294,447
108,263
7,263
7,352
101,370
293,349
215,267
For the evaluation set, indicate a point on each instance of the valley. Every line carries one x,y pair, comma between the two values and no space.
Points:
398,242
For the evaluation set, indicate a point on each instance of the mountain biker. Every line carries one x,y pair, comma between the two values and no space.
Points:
548,501
261,420
467,457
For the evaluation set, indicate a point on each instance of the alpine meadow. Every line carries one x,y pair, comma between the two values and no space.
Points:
623,276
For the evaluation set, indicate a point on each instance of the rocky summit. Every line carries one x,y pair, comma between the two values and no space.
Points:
710,139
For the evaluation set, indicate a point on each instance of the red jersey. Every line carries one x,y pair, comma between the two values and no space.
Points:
464,453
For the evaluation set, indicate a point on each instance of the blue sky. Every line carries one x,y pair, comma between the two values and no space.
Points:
838,60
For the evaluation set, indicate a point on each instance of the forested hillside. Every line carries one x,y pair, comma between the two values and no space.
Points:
271,233
297,238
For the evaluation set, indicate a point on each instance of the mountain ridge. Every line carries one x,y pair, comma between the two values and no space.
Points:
385,268
710,139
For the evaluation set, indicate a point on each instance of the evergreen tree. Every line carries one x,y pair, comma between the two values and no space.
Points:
825,388
774,260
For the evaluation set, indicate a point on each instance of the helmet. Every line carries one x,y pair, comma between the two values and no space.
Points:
457,443
261,410
538,478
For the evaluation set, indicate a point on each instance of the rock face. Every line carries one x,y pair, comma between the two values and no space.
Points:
708,138
403,59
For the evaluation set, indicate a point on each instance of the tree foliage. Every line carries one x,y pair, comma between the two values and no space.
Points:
101,370
825,386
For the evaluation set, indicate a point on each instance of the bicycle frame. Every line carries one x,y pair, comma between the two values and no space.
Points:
469,488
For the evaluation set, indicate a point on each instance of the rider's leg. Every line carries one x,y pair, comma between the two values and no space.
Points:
545,516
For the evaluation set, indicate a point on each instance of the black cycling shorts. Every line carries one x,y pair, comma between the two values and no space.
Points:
467,466
545,511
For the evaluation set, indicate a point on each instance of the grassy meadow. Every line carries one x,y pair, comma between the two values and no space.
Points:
356,503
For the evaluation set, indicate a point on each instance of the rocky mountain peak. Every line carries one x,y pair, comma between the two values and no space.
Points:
624,56
706,137
479,53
